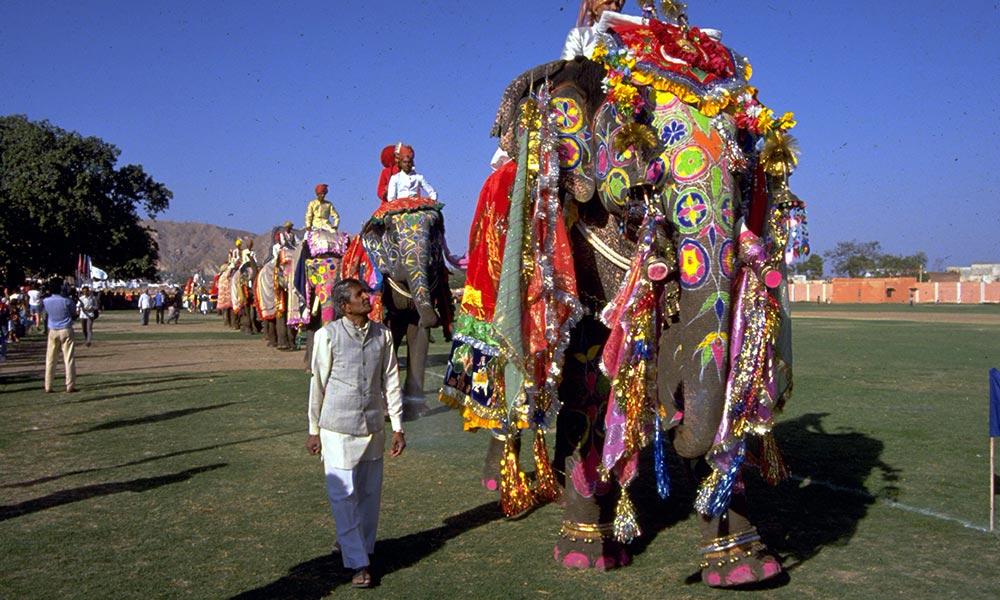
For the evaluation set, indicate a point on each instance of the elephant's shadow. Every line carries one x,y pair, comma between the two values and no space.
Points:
819,505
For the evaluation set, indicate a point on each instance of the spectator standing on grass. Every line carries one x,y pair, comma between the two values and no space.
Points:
158,302
355,379
35,305
86,308
145,303
4,325
59,311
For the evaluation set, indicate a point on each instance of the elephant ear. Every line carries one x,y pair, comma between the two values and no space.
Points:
510,102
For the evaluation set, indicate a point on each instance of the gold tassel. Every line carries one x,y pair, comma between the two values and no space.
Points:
626,527
780,154
547,489
515,493
635,135
772,465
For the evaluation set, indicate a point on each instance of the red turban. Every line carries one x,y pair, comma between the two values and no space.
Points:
387,158
404,151
322,189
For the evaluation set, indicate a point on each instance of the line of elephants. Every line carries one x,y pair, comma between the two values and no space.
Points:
624,287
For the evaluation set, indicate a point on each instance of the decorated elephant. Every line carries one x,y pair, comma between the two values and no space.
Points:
271,291
404,252
625,282
313,269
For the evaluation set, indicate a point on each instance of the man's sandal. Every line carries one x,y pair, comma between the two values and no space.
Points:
362,578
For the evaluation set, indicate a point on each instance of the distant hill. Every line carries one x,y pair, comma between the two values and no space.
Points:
187,248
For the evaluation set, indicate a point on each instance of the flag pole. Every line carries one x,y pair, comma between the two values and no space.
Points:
993,479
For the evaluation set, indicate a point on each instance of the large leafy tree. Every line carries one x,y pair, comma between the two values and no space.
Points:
812,267
860,259
854,258
62,196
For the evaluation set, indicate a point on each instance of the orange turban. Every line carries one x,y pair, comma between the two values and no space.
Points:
404,151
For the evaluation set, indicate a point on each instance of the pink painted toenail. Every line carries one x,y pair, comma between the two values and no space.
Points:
771,568
741,574
576,560
713,579
490,484
603,563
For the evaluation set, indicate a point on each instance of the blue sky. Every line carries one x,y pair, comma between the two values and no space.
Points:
240,108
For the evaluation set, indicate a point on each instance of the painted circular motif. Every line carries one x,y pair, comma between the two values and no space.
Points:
569,117
569,153
727,254
655,170
615,186
691,211
674,131
694,264
726,213
603,160
690,163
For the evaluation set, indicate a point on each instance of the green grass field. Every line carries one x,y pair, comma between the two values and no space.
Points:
197,485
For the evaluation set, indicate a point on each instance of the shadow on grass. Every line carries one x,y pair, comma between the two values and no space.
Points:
800,517
797,518
40,480
318,577
166,416
87,492
130,394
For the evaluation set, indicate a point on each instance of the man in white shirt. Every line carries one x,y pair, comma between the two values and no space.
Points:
582,39
408,183
355,379
145,303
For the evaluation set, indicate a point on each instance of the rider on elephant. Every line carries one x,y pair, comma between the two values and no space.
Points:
583,38
407,183
320,214
389,168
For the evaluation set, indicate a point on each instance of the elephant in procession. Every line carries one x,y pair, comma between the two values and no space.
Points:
404,251
625,286
271,291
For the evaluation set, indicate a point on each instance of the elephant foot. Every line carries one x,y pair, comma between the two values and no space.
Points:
589,546
414,410
738,560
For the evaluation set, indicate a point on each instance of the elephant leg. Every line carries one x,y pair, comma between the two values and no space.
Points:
281,332
417,345
732,552
270,333
586,539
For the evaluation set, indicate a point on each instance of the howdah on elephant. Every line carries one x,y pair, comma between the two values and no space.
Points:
632,292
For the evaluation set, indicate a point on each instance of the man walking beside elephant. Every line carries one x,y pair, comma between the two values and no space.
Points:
355,380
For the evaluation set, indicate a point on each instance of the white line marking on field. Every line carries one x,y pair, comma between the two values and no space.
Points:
891,503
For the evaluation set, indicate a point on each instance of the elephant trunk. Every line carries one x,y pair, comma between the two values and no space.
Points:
420,261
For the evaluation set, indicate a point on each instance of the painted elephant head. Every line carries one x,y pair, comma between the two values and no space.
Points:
656,151
408,248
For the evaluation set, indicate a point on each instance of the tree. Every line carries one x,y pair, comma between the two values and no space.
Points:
812,267
62,197
854,259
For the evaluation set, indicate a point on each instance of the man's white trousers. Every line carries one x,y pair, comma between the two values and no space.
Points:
355,498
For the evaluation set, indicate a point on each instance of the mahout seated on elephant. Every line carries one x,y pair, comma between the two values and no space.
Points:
624,295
